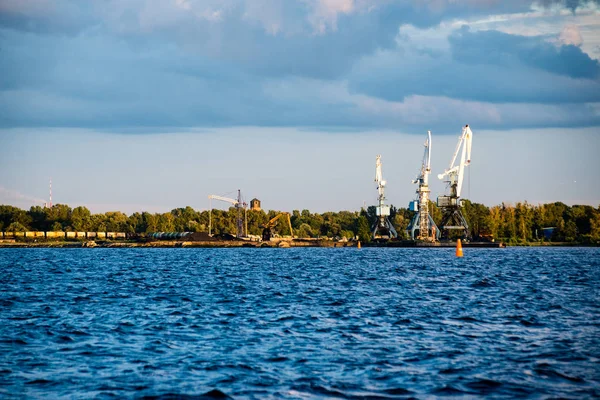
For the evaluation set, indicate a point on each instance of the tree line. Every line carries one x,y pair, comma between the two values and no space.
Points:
520,223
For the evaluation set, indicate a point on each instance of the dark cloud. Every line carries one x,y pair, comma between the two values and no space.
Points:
493,47
485,66
53,17
142,65
572,5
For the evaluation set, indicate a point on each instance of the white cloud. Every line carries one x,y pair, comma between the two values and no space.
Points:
571,35
326,12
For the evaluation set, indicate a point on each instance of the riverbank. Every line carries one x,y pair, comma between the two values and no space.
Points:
270,244
174,244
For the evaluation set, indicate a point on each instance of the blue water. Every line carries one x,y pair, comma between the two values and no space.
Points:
299,323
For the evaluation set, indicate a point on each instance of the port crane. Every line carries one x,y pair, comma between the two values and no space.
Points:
267,232
382,224
450,204
422,221
242,226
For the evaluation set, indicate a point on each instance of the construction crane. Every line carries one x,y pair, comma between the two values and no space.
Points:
452,218
268,227
422,221
242,225
382,225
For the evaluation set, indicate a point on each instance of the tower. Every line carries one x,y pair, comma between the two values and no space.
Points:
255,204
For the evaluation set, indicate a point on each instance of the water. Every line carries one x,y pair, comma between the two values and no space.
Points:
299,323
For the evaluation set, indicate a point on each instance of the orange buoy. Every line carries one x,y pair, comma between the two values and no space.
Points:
358,245
459,252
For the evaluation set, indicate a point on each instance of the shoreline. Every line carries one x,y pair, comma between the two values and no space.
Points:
272,244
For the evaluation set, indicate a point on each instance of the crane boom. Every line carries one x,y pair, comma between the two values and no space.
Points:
455,173
423,176
226,199
379,177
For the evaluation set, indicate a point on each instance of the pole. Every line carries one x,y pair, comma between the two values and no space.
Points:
209,215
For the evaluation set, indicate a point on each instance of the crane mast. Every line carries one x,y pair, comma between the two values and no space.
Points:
452,218
239,204
382,225
422,221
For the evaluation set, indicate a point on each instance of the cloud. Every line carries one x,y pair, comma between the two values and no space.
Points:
45,16
570,35
329,63
572,5
8,196
486,66
498,48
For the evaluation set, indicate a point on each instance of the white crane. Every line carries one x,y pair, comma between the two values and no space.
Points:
382,210
237,203
450,204
455,172
422,219
380,182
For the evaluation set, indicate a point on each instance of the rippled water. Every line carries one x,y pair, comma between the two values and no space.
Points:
299,323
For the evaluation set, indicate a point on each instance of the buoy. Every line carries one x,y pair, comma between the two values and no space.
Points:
358,244
459,252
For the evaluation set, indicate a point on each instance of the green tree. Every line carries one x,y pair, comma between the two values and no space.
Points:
81,219
166,222
60,213
362,229
16,227
595,227
10,214
116,221
304,231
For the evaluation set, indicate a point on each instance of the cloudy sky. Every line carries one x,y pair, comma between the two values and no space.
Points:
150,105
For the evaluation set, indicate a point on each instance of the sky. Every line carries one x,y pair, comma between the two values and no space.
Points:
136,105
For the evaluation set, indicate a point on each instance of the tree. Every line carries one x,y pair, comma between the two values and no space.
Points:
166,222
150,222
116,221
39,218
16,227
362,229
304,231
98,223
60,213
81,219
570,231
10,214
595,227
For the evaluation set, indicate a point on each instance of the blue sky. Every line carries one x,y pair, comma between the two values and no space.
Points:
139,104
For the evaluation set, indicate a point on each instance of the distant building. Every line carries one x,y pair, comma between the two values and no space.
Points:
548,232
255,204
